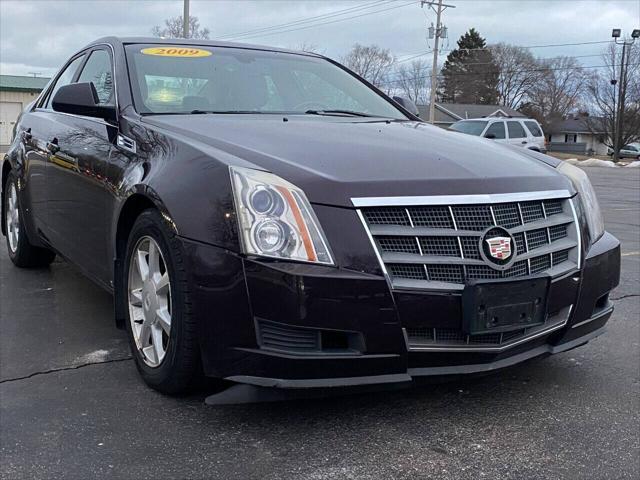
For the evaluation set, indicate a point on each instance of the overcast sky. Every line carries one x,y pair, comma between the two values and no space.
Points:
38,35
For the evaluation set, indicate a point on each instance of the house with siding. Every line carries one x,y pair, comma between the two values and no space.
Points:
578,134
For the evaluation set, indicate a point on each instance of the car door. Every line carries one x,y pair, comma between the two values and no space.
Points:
496,131
34,133
536,137
517,134
79,149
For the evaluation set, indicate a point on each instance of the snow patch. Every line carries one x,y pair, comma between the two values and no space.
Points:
635,164
591,162
93,357
594,162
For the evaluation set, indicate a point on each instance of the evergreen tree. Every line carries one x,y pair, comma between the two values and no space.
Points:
470,74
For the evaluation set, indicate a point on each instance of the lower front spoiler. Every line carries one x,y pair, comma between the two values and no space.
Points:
260,389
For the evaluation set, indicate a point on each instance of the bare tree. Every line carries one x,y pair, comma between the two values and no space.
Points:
413,81
519,73
173,28
308,47
370,62
603,98
558,91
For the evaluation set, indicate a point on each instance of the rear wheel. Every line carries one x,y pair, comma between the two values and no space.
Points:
21,252
160,324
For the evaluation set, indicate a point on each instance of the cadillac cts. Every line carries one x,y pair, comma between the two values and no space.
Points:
270,218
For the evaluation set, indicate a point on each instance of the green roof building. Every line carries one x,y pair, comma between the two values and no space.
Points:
16,92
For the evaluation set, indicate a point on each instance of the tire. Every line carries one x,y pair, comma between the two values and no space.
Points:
21,252
171,363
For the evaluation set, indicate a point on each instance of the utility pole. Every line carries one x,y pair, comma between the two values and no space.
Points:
440,32
614,110
620,109
185,20
622,86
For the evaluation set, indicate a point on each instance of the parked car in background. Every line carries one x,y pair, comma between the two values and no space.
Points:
267,217
631,150
521,132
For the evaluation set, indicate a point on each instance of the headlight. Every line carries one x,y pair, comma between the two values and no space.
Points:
588,198
276,219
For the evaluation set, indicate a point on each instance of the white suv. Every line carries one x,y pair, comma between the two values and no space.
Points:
523,132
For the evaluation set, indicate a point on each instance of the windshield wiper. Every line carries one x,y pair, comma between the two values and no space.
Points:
243,112
339,112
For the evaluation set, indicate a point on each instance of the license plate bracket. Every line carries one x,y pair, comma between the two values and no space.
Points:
503,306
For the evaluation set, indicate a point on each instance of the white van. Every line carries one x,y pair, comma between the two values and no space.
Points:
523,132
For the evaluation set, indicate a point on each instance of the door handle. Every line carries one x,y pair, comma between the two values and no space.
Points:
26,135
53,146
524,142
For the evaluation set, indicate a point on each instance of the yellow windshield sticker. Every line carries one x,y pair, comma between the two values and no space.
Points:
176,52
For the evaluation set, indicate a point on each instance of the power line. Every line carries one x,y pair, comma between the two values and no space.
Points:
331,21
542,69
305,20
541,46
428,52
491,63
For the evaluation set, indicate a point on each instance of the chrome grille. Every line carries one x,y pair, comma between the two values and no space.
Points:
437,246
537,238
507,215
470,247
387,216
477,218
398,244
443,246
436,217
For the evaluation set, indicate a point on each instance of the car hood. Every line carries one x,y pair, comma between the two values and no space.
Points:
335,159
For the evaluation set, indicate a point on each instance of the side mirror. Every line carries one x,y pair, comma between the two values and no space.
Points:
81,99
490,135
407,105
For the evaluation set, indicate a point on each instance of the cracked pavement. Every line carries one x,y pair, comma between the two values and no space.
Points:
72,405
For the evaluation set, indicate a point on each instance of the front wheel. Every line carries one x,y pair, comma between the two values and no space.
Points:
21,252
161,329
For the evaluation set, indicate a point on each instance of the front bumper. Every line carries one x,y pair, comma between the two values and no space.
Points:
234,297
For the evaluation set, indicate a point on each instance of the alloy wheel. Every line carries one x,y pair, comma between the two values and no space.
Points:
13,219
149,292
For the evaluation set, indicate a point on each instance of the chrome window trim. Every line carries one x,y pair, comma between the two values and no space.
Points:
459,199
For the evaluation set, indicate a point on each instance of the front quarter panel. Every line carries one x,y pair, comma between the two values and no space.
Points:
190,187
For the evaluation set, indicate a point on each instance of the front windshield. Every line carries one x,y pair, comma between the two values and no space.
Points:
471,127
185,79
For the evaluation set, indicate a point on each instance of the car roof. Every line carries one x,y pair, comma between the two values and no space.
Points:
495,119
113,40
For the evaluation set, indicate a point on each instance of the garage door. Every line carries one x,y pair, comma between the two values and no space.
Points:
9,112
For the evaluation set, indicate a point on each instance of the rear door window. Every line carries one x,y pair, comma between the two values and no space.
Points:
533,128
516,130
497,130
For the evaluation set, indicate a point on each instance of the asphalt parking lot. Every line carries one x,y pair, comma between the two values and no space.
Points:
72,405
